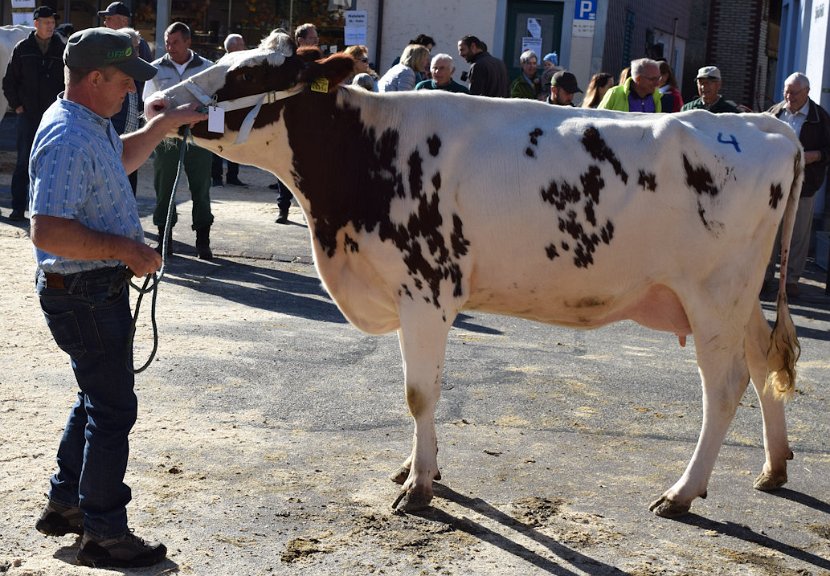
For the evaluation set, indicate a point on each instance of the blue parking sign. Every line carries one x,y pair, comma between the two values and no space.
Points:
585,10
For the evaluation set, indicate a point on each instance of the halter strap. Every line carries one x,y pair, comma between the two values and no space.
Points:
254,101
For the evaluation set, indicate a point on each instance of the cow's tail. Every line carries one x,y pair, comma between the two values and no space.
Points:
784,348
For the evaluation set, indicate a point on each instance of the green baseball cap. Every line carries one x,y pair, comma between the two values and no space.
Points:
100,47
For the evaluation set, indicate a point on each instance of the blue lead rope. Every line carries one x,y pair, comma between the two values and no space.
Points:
156,277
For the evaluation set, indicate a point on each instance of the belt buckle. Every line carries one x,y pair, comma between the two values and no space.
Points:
54,281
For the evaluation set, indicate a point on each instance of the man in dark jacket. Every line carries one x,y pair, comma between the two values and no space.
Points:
812,124
488,74
33,80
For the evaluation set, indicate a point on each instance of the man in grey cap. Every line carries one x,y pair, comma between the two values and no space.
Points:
117,17
32,81
563,87
708,86
88,240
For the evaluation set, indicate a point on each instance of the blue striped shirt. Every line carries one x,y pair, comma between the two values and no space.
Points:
76,173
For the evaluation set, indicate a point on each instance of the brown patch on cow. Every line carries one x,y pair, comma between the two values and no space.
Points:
534,141
434,143
595,146
350,244
566,197
436,181
586,302
334,69
459,243
247,81
350,174
775,195
648,180
552,252
699,178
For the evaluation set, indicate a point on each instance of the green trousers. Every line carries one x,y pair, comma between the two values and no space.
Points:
197,162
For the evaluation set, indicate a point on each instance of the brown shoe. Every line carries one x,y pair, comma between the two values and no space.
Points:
126,551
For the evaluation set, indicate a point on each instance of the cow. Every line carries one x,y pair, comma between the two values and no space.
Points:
423,205
9,37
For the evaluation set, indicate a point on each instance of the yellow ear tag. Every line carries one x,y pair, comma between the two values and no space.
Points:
320,85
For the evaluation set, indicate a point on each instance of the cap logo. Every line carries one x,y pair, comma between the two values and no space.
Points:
116,55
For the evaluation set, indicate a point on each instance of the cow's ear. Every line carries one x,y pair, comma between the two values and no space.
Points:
335,69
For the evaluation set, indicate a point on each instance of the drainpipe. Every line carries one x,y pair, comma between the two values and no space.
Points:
379,34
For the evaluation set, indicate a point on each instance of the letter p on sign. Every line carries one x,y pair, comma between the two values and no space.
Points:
585,10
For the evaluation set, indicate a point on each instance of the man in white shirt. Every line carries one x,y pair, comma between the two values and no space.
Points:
812,124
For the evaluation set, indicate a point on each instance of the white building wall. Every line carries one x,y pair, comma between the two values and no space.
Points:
447,22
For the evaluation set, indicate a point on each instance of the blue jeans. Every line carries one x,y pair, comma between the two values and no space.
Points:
26,129
89,317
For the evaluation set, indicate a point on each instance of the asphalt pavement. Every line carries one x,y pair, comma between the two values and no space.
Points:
552,441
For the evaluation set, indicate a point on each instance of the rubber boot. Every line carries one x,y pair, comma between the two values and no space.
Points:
161,242
203,243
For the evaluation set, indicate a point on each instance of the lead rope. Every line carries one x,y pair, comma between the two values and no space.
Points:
156,277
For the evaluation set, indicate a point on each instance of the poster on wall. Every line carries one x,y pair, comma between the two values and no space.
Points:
355,30
23,18
23,4
533,39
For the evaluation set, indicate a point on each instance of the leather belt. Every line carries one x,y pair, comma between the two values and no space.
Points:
54,280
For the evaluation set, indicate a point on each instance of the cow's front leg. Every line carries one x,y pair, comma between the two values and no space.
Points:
423,340
724,376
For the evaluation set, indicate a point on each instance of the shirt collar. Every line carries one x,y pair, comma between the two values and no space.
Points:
804,110
81,111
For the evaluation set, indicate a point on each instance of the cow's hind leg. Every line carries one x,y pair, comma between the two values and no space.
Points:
776,445
724,376
423,340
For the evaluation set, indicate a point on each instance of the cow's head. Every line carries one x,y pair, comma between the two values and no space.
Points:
251,86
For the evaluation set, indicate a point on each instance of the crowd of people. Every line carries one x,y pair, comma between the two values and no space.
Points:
80,142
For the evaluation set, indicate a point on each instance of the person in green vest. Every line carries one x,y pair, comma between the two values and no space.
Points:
639,93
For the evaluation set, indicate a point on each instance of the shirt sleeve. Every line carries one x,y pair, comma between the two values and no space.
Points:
149,88
60,181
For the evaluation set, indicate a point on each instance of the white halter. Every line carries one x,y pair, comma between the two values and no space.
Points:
255,101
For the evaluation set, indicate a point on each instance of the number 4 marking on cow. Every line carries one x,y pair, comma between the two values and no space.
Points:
732,141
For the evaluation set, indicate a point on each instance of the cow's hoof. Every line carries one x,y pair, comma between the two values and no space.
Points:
666,508
402,474
411,501
767,482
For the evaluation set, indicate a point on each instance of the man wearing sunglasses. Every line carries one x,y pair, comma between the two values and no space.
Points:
640,93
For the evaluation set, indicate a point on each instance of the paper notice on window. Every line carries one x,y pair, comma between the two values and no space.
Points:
354,32
534,27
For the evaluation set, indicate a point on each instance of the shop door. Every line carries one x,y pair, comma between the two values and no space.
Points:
532,23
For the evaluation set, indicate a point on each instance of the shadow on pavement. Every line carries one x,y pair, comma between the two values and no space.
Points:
585,563
748,535
258,287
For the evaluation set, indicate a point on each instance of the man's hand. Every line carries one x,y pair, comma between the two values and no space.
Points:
142,260
158,105
162,121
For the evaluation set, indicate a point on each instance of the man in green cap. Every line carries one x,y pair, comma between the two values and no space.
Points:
88,241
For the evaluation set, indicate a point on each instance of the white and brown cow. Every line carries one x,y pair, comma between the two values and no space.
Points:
423,204
9,37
